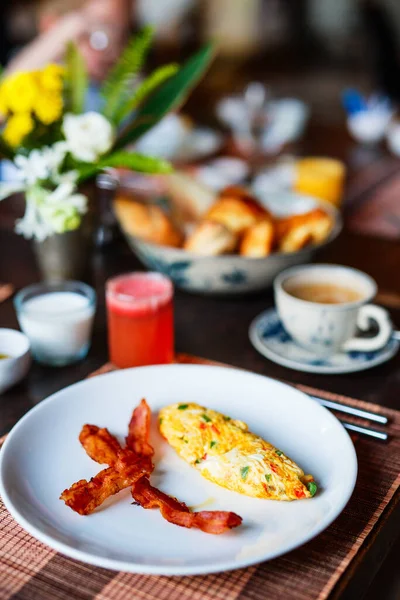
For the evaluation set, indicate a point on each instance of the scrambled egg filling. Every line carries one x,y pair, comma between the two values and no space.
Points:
227,453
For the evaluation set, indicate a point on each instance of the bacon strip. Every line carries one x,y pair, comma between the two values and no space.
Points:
178,513
100,445
139,430
84,496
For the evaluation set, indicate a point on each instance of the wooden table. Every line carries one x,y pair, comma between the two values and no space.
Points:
217,328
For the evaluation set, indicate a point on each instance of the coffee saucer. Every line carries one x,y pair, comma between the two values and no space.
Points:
269,337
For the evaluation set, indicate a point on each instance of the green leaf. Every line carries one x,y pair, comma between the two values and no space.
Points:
170,96
128,160
213,443
206,418
268,478
183,406
117,87
278,452
5,150
312,487
136,162
147,87
244,471
76,79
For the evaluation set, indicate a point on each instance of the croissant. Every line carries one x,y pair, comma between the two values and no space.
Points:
146,221
236,209
258,240
210,239
296,231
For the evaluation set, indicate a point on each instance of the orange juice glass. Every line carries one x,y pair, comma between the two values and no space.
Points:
140,319
321,177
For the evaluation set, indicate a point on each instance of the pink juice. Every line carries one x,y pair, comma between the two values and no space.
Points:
140,320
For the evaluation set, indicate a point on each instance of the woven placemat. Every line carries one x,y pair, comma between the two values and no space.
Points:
31,571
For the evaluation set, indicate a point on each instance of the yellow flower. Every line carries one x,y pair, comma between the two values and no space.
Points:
51,78
21,92
3,98
17,128
49,107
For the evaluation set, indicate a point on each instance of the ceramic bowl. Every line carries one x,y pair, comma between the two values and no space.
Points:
225,274
16,345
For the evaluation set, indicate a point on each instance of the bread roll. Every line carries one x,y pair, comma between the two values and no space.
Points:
146,221
295,232
237,210
189,199
258,240
211,239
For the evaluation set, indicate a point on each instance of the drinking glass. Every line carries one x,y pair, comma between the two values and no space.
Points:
57,318
140,319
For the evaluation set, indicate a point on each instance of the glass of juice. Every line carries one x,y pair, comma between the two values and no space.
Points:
140,319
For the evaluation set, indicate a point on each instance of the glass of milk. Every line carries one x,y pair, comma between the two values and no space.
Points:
58,320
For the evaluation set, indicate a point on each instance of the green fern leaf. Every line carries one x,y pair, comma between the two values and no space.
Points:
76,79
116,88
147,87
169,96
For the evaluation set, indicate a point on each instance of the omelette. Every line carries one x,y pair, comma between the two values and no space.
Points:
224,451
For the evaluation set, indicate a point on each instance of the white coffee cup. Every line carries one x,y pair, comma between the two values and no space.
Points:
325,329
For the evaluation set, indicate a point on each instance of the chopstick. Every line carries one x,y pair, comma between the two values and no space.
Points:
379,435
356,412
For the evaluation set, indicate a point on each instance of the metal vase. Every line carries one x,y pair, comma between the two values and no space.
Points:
66,255
63,256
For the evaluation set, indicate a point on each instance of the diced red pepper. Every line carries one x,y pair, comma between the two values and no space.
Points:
299,493
273,467
204,456
215,429
202,426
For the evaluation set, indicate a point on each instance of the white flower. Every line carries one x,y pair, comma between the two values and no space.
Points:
54,157
42,164
32,224
49,212
9,188
33,167
68,177
88,136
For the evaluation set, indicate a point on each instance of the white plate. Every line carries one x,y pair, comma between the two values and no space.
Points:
270,338
42,456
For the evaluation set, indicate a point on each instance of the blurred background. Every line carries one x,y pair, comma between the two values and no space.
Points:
338,60
308,48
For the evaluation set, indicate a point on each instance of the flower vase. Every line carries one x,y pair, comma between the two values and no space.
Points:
64,256
67,256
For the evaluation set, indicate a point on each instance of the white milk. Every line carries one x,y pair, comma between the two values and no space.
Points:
58,325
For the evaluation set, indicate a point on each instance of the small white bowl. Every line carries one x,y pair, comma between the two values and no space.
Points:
16,345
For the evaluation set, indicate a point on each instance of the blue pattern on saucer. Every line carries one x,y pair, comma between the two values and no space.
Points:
271,339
